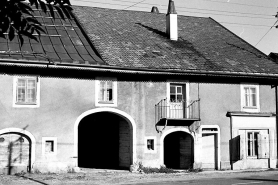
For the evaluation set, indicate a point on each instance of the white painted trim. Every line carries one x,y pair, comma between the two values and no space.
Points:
218,140
164,134
115,93
126,116
54,139
26,133
38,92
246,109
154,144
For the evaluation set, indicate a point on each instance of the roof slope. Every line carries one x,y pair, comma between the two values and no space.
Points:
63,42
138,40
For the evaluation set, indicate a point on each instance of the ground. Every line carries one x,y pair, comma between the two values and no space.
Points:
105,177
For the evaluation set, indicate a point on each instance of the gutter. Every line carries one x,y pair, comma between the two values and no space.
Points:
132,70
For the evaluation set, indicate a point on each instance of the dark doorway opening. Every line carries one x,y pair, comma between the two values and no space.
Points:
104,141
178,150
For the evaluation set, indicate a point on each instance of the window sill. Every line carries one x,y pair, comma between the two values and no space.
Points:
21,105
109,104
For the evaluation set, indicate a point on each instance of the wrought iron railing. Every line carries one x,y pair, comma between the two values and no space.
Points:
177,109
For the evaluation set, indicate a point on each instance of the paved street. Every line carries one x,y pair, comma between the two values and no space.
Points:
111,177
249,179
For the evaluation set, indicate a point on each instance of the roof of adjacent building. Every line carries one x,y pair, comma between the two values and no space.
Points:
63,42
134,39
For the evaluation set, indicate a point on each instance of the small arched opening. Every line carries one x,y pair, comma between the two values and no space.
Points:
178,150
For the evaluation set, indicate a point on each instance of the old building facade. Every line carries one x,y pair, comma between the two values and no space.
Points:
109,97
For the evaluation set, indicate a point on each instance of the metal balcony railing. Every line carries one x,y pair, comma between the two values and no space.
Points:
178,109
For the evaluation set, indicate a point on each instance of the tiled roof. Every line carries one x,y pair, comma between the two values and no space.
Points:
137,39
63,43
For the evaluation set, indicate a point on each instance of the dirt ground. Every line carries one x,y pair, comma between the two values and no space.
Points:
117,177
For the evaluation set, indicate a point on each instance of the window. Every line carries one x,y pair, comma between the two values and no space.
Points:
252,144
250,98
49,146
176,93
150,144
106,92
26,92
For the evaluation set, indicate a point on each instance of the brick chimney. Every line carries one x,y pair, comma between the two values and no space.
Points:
172,21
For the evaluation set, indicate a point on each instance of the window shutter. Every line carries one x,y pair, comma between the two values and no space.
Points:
263,146
242,147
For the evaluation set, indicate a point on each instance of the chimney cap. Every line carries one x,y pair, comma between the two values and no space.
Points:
171,8
154,9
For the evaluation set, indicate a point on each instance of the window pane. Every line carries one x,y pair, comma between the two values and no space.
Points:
249,142
256,142
172,89
179,89
21,95
101,91
246,100
172,98
31,91
179,98
253,100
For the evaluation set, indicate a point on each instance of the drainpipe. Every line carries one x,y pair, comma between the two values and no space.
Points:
276,101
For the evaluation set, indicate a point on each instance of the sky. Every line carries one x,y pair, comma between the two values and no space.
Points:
252,20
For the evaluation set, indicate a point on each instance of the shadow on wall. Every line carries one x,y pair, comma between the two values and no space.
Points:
234,149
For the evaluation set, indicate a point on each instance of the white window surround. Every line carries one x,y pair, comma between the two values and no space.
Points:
44,140
242,98
146,144
15,82
113,103
184,83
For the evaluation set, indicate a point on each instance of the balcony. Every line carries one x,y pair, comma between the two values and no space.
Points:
179,113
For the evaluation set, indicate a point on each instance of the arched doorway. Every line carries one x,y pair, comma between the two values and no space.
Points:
104,141
15,152
178,150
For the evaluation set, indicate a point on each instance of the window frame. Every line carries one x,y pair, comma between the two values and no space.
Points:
17,104
112,103
154,144
44,140
248,108
255,144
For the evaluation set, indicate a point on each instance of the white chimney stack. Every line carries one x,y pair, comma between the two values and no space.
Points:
172,21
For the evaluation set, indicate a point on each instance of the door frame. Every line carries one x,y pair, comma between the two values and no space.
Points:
164,134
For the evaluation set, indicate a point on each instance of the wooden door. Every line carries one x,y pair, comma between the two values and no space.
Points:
209,151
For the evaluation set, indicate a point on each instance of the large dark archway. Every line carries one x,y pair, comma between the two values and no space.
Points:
178,150
104,141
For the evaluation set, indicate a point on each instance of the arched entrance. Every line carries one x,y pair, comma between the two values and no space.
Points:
178,150
105,140
16,150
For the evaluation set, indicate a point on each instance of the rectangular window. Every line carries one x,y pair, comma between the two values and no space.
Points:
26,91
176,93
106,92
250,98
252,144
150,144
49,146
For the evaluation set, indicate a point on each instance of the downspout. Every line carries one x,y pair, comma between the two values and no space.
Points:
276,102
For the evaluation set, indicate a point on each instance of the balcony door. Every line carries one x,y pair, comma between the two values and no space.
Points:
177,101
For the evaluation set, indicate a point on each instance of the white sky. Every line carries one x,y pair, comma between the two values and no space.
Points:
249,19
